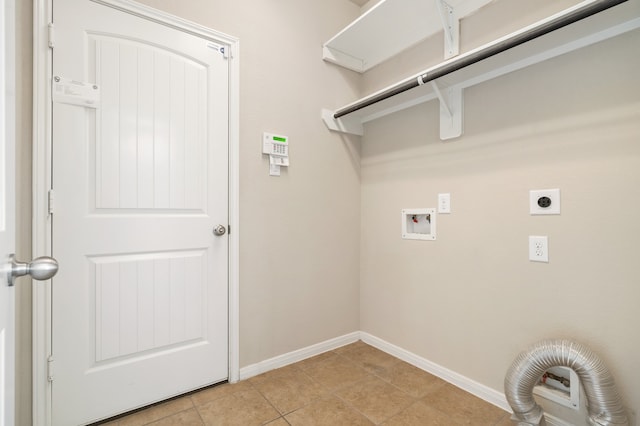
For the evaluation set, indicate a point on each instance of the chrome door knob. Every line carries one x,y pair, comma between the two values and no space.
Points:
219,230
41,268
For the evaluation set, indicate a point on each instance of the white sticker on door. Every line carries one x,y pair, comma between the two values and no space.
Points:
67,91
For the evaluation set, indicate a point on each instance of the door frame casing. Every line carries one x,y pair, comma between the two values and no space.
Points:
8,175
42,157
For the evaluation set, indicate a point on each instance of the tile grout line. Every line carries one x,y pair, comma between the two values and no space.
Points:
413,399
195,406
328,391
348,404
172,414
375,375
280,415
369,375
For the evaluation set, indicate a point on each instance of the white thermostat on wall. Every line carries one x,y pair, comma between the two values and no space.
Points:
275,145
277,148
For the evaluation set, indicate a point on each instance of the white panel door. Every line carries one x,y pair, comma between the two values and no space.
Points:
140,181
7,207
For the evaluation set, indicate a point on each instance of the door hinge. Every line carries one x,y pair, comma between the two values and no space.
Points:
50,201
50,368
52,34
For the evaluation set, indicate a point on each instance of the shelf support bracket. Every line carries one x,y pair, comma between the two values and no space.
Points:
351,125
451,109
451,26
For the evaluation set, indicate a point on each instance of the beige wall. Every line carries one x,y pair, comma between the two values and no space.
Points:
299,260
472,300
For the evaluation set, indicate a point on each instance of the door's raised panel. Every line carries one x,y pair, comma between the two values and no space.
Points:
151,128
146,302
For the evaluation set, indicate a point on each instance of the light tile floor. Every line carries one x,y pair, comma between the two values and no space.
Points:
353,385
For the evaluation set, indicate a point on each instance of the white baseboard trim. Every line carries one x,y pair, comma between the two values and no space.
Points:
481,391
297,355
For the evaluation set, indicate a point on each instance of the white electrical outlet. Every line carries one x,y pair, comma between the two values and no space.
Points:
444,203
538,248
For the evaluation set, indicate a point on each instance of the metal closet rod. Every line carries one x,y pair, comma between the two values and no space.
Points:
465,61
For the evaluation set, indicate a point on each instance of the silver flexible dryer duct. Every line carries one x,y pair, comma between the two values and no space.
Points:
603,401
